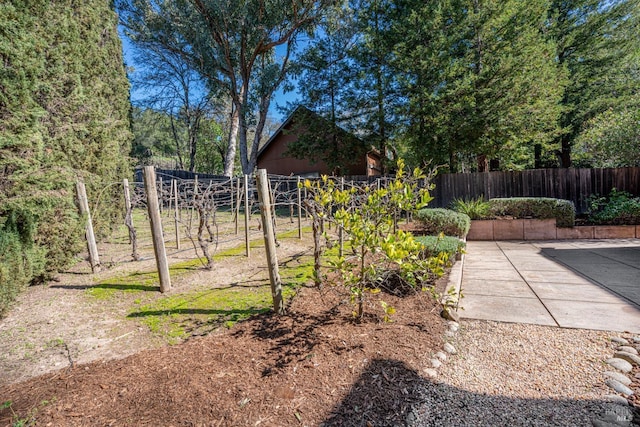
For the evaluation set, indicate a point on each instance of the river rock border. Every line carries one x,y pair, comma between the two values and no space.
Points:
622,377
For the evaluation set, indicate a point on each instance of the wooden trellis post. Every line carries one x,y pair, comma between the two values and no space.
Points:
247,212
83,205
128,220
299,210
174,184
161,192
156,228
270,241
237,212
340,229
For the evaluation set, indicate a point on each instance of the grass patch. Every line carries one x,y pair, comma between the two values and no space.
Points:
200,312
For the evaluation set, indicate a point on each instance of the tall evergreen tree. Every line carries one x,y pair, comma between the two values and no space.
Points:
480,79
64,103
325,77
597,42
375,98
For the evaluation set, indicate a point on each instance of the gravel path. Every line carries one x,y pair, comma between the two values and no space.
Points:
508,374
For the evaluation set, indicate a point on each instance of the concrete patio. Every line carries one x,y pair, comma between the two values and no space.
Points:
589,284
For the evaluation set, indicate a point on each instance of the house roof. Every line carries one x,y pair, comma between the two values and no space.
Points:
299,110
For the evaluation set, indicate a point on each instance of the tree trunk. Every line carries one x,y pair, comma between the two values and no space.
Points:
565,154
230,157
483,163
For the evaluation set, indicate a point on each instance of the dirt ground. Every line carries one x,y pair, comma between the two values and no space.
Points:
67,359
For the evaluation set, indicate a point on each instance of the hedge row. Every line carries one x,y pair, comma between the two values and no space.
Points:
434,245
563,211
20,262
438,220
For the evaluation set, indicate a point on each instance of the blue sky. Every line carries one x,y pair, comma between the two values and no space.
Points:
280,99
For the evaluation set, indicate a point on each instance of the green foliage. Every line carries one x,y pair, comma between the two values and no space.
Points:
481,80
610,140
474,208
151,136
20,262
435,245
537,208
619,207
597,44
64,104
379,251
439,220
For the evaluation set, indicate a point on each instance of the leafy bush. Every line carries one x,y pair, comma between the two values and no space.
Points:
619,207
535,207
381,256
438,220
20,260
434,245
474,208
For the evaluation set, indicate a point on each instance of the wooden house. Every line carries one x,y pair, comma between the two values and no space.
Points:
276,157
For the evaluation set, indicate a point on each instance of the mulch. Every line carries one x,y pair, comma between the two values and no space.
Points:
314,366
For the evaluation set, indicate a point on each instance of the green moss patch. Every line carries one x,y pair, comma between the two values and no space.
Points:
199,312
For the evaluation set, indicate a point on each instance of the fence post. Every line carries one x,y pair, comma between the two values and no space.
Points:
237,212
247,212
128,220
299,210
340,229
176,213
161,195
91,238
231,193
156,228
269,240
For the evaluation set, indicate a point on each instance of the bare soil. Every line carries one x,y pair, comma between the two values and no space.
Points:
67,359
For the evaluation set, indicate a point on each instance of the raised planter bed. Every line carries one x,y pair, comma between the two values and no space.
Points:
546,229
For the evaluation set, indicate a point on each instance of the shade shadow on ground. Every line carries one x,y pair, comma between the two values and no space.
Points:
388,393
616,269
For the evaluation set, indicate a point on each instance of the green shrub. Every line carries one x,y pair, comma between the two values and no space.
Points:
434,245
20,260
438,220
474,208
535,207
618,208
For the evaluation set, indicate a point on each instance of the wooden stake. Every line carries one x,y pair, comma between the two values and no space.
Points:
176,213
161,193
237,212
299,210
270,241
247,212
128,221
156,228
231,192
340,229
83,204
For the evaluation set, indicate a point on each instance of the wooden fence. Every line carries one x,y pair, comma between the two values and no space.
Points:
570,184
